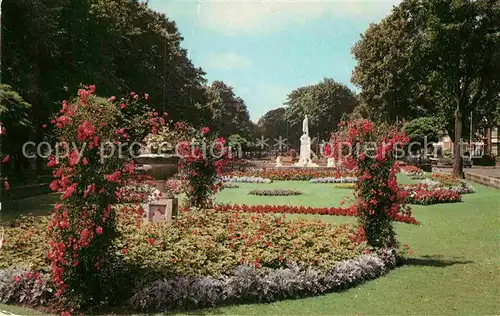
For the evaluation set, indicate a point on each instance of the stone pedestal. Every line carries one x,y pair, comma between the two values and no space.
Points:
305,152
162,209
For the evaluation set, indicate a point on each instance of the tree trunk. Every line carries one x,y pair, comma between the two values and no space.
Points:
457,148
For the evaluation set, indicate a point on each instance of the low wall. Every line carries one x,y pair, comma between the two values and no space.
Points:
481,179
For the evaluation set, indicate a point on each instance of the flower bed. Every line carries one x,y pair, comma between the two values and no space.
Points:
344,185
230,185
202,244
446,179
250,179
413,172
289,209
248,284
291,174
425,196
335,180
275,192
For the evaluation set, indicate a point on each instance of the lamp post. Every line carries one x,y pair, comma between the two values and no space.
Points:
470,136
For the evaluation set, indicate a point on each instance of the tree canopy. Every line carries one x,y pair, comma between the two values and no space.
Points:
229,112
324,103
273,124
433,57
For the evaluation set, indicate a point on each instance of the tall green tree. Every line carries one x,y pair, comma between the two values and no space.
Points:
324,103
50,47
433,56
229,112
273,124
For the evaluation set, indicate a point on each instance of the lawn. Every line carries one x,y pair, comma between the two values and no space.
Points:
455,268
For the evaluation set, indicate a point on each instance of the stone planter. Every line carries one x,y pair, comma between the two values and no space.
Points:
161,168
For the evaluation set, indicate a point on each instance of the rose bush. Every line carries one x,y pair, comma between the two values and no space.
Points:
90,177
374,164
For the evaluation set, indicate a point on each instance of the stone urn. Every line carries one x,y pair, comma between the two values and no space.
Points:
160,167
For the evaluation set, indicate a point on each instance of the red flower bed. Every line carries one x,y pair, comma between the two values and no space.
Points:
292,174
289,209
427,197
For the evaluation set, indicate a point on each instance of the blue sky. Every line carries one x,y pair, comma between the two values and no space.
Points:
265,49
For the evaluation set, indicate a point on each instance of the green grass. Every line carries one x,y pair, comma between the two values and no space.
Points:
455,269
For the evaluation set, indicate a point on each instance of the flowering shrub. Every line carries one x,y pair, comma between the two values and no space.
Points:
247,284
202,164
289,209
377,193
275,192
413,172
246,179
334,180
296,174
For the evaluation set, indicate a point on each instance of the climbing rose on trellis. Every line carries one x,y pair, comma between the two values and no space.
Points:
371,152
83,225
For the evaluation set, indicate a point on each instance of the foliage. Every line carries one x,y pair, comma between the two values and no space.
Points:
229,113
15,128
324,103
432,196
244,179
413,172
167,138
18,286
423,130
25,244
248,284
485,160
275,192
335,180
403,216
291,174
114,44
274,123
238,144
201,166
433,58
212,242
375,167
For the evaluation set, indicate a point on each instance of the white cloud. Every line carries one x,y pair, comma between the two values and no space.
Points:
227,60
257,17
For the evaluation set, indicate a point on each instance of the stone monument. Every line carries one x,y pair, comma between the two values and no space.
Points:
331,163
305,147
278,162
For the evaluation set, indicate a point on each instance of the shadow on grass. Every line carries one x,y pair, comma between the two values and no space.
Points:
36,206
434,261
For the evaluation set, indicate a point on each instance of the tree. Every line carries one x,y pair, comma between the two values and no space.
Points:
274,124
324,103
14,119
433,57
51,47
229,112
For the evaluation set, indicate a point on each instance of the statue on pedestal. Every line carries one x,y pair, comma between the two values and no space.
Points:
305,146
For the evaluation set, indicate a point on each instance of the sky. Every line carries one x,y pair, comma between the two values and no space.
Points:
266,49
